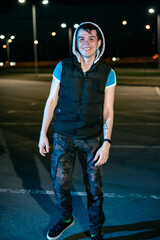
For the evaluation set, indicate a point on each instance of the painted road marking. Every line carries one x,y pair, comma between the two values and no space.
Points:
81,194
134,146
20,124
157,90
23,111
138,123
33,103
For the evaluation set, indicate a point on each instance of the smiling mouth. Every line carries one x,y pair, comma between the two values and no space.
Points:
86,49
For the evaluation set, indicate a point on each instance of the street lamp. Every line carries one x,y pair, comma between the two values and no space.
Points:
147,27
44,2
2,37
35,41
152,11
53,34
64,25
7,46
124,22
76,25
12,37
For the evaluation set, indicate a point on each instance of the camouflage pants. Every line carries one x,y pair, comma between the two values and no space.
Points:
62,167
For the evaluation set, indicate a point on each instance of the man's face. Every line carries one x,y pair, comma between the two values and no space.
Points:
87,43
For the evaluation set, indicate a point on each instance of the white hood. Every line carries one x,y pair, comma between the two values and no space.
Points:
74,45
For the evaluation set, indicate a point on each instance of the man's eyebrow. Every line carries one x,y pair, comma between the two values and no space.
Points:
84,36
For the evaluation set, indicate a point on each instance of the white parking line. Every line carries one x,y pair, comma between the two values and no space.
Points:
138,123
12,111
157,90
135,146
81,194
20,124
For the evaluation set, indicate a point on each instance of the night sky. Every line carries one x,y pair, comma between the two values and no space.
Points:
121,41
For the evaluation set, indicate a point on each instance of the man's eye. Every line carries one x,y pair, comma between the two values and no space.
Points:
81,39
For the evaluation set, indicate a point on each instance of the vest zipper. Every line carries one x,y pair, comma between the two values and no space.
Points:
84,78
78,112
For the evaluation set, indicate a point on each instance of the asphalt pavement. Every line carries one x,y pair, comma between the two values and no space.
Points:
131,181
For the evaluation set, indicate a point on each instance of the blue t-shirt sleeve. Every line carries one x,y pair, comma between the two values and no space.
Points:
111,80
58,71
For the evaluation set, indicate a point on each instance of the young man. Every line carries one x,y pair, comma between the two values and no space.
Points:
83,92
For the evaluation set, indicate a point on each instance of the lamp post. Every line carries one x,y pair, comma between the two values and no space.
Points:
35,41
8,41
158,34
152,11
64,25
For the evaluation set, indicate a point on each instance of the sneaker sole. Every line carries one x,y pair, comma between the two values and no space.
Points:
53,238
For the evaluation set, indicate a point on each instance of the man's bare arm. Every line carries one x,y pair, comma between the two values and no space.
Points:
108,116
50,106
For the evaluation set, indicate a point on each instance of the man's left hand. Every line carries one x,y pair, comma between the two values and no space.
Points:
102,154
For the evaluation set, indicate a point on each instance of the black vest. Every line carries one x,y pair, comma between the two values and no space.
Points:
81,96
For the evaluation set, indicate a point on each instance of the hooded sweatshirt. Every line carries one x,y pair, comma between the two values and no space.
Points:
74,45
81,96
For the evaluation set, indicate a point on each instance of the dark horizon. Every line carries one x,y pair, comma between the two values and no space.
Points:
121,41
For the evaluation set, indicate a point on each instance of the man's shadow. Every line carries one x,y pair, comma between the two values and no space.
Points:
145,230
23,151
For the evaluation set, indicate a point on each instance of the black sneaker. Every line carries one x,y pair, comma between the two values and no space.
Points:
97,237
56,231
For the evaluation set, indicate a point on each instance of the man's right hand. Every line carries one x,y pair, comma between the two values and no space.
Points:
43,145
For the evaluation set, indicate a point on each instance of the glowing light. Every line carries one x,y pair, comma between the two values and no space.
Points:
9,40
151,10
12,37
155,56
124,22
36,42
21,1
45,2
114,59
76,25
2,37
147,27
63,25
4,46
53,34
12,64
1,64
